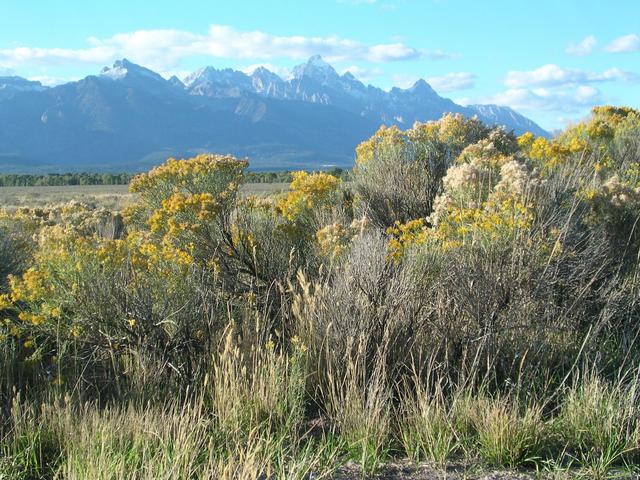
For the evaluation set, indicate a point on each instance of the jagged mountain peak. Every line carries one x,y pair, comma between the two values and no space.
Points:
211,75
316,81
134,115
315,68
421,86
318,61
265,73
124,69
199,74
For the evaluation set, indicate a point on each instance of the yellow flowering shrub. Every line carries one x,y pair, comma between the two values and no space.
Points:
450,194
203,173
196,189
459,131
186,207
483,197
597,140
453,130
384,138
398,173
109,297
493,221
264,244
309,192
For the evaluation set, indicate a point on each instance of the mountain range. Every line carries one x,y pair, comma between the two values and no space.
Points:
128,118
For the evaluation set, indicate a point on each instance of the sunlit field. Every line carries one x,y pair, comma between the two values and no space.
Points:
113,197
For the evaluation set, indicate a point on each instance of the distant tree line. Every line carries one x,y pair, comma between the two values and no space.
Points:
286,177
64,179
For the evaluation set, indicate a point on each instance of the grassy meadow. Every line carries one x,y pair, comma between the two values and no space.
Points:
112,197
467,306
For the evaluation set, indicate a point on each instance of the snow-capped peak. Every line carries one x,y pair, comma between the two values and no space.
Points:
124,68
117,72
316,68
264,73
318,61
199,74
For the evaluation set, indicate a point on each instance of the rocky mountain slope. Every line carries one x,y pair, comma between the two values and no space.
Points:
130,118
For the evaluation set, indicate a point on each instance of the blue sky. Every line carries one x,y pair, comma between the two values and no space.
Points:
550,60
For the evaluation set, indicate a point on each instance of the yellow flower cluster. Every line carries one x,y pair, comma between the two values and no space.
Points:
405,235
547,154
616,116
308,192
458,130
112,253
600,129
5,302
594,136
183,173
454,130
493,220
32,286
148,255
31,318
182,212
180,203
385,137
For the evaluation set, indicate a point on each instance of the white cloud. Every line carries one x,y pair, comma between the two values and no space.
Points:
551,88
391,52
453,81
626,43
554,76
582,48
567,100
163,49
55,56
